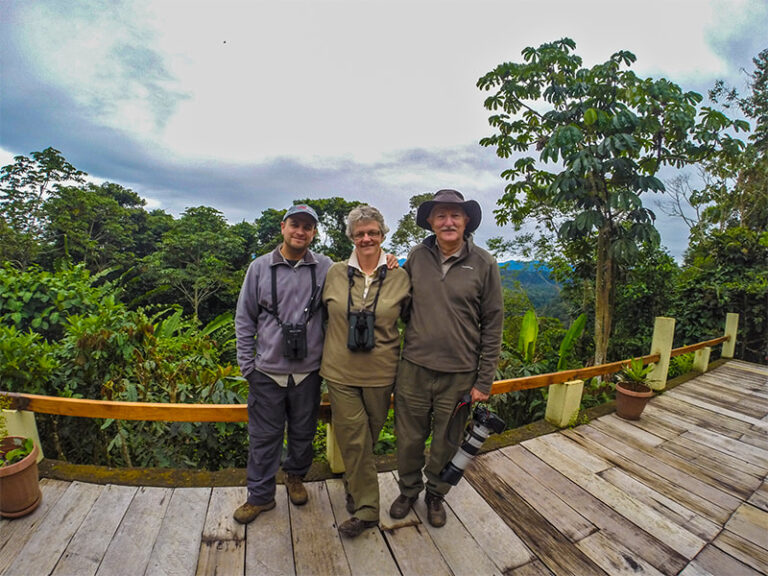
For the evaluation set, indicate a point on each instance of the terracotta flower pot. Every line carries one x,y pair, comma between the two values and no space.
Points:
631,403
19,486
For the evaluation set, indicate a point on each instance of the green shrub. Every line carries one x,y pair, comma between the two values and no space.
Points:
41,301
26,361
679,365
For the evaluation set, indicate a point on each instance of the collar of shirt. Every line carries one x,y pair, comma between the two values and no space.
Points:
355,263
447,261
278,258
454,256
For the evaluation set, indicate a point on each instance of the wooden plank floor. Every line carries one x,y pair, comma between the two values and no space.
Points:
682,491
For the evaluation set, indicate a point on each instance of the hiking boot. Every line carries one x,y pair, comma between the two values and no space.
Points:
435,509
296,491
350,504
248,512
401,506
353,527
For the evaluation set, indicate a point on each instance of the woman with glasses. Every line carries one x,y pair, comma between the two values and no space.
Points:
364,300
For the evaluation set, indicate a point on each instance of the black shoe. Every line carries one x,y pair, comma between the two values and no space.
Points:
350,504
435,509
353,527
401,506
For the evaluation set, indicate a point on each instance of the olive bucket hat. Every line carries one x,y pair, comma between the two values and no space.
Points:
471,207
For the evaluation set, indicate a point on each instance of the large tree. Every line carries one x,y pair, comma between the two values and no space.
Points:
602,134
96,225
24,186
195,256
727,258
735,182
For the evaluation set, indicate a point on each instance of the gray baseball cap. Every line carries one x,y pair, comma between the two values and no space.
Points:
301,209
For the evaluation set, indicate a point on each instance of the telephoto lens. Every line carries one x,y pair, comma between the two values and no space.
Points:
483,424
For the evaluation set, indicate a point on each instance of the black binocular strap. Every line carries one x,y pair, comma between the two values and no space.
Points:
308,310
351,276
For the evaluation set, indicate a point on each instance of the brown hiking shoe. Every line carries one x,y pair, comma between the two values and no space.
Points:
248,512
353,527
435,509
401,506
296,491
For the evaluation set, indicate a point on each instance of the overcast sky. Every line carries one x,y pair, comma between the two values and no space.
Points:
245,106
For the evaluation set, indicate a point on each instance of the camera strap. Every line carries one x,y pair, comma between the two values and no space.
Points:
308,310
351,276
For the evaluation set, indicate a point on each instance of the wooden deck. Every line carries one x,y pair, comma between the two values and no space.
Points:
682,491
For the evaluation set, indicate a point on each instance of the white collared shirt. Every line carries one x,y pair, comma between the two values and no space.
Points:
354,262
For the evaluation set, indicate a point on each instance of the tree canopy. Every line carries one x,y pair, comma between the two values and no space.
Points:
601,135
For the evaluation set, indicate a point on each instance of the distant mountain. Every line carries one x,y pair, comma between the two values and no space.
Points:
515,265
542,291
525,272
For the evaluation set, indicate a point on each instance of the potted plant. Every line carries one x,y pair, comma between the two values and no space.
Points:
19,487
633,390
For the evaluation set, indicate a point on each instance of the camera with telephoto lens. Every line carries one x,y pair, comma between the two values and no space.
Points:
361,330
483,424
295,341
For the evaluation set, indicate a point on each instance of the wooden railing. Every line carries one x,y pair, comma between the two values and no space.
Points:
155,411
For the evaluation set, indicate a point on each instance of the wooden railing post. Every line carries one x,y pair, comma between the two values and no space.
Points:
731,329
701,359
663,336
22,423
332,450
563,403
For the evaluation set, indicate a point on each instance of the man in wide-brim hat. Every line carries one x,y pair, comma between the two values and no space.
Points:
452,346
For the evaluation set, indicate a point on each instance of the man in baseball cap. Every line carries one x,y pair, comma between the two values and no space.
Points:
278,324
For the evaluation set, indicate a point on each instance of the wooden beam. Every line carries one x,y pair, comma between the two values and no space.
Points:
150,411
528,382
699,346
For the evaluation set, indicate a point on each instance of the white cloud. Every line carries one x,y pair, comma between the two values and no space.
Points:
248,81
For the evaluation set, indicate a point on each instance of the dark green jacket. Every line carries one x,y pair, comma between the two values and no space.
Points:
455,321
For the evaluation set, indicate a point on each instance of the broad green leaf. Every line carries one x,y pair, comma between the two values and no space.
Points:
529,330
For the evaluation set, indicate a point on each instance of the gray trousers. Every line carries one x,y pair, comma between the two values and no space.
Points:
270,408
424,402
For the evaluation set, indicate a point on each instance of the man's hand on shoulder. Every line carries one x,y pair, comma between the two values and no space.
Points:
392,261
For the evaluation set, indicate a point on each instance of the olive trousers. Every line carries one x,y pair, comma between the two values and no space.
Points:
358,414
425,401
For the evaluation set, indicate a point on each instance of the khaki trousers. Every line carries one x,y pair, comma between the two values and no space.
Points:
358,414
424,402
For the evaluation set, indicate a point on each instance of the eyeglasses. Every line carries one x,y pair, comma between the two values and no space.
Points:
372,234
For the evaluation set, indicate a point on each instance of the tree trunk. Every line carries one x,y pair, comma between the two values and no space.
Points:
604,290
196,304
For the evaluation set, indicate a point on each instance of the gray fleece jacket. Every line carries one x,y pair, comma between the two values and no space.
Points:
259,336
